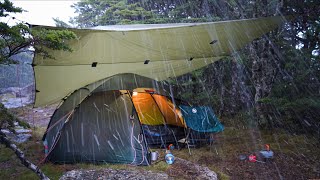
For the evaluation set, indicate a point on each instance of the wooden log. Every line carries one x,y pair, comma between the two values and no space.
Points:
4,140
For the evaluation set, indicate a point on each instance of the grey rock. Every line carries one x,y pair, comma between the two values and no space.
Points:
17,102
20,131
112,174
19,137
6,131
199,172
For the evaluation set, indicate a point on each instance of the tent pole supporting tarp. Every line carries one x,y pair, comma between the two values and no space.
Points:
187,141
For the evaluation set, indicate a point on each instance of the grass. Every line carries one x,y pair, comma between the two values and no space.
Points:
5,154
38,132
11,168
26,175
158,167
7,173
52,171
220,157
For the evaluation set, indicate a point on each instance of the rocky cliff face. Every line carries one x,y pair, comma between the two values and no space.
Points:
17,82
17,75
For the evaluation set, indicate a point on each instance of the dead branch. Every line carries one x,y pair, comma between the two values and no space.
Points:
4,140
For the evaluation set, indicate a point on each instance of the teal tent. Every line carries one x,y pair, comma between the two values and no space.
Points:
201,118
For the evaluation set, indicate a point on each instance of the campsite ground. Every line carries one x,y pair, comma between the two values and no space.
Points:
297,156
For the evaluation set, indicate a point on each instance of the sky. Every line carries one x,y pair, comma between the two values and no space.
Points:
41,12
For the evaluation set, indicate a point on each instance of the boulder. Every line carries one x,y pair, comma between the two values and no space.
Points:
119,174
7,96
17,102
22,135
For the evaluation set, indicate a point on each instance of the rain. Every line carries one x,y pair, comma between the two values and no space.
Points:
159,89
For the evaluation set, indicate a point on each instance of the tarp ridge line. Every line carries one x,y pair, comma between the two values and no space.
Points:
137,62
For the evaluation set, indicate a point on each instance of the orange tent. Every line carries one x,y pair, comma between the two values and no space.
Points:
155,109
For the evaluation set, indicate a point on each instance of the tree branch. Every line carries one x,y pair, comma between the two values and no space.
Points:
4,140
17,49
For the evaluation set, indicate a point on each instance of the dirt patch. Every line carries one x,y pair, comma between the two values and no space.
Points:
187,170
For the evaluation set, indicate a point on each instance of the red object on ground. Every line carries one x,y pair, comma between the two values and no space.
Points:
267,146
252,158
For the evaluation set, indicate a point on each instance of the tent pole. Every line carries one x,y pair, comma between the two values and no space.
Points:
142,132
159,109
187,141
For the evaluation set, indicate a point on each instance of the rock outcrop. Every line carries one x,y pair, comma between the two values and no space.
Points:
181,169
113,174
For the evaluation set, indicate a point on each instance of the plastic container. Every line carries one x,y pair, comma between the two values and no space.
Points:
154,155
169,157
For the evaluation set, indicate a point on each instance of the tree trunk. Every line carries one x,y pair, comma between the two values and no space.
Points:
264,71
234,87
4,140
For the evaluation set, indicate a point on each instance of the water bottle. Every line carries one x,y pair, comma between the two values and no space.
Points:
169,157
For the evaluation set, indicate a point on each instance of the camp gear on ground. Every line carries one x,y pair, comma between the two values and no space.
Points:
252,158
267,147
266,153
154,155
242,157
169,157
170,147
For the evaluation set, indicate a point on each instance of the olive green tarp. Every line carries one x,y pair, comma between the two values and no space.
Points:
171,49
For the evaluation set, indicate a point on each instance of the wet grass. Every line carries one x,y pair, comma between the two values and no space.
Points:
11,168
53,171
7,173
5,154
297,153
159,166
